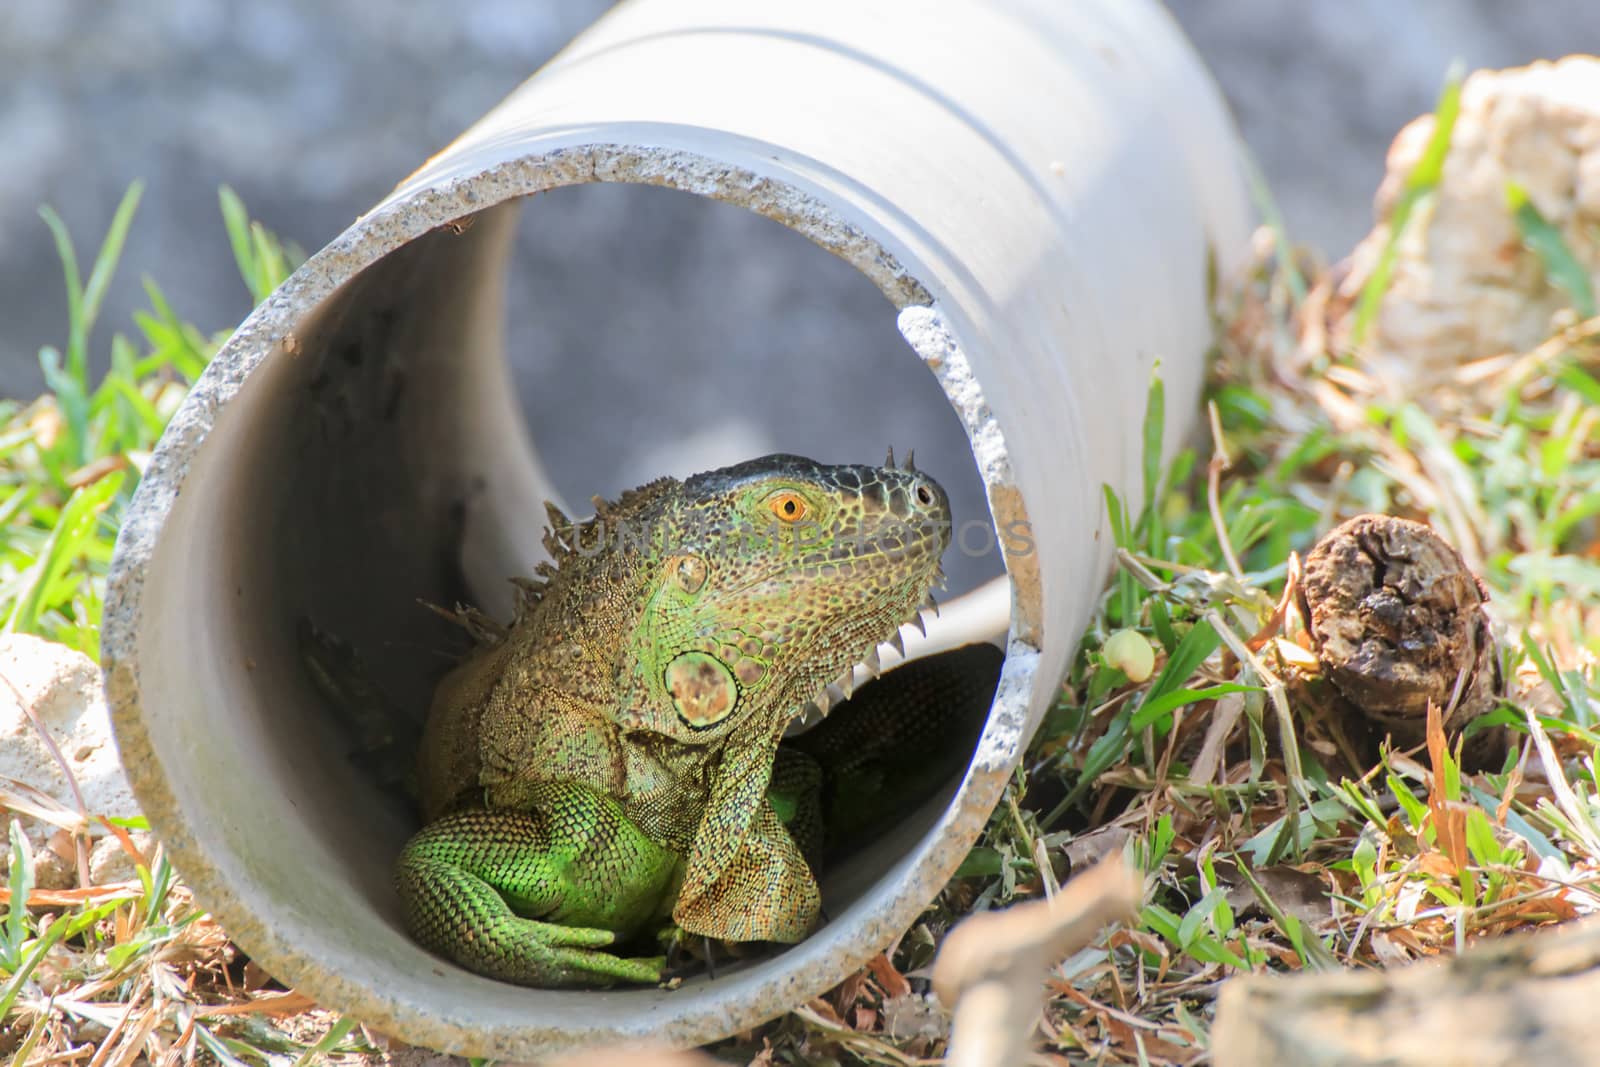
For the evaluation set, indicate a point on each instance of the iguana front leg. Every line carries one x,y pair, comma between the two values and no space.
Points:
895,744
533,896
745,879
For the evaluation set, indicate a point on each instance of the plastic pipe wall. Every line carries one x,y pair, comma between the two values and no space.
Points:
1040,189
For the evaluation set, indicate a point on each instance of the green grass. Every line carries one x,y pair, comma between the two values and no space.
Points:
1187,736
70,461
134,966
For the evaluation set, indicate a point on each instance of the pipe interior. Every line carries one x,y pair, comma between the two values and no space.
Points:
652,333
380,463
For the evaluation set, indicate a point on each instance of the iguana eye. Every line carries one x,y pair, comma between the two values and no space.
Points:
788,506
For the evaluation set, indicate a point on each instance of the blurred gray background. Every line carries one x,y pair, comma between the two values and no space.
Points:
313,111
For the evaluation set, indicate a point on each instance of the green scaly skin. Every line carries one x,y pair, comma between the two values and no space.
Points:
603,765
573,858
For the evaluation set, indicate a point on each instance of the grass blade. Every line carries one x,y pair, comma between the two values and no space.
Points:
1419,183
13,987
76,525
105,261
1561,267
21,884
1151,711
330,1040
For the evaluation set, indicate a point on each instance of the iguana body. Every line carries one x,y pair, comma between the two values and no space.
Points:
604,763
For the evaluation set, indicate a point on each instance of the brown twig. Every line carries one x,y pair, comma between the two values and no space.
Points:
140,988
1219,463
992,965
80,839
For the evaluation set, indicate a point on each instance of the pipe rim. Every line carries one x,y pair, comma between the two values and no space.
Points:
682,1017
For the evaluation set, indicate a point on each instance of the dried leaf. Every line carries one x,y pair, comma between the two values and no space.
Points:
891,981
1449,820
845,995
825,1012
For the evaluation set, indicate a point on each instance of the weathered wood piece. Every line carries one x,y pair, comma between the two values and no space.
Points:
990,966
1518,1000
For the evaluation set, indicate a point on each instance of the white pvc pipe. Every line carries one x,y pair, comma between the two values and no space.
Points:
1038,187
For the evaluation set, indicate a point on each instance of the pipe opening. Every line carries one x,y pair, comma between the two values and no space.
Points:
385,461
371,452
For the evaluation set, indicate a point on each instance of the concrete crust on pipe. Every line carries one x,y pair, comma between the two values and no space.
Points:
356,445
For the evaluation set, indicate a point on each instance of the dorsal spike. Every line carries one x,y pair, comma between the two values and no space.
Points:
911,461
469,623
889,460
558,537
602,507
631,496
916,620
529,591
872,662
897,643
481,628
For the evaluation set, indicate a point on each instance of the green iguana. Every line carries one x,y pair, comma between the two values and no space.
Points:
603,767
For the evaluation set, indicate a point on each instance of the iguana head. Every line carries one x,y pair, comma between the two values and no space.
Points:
773,579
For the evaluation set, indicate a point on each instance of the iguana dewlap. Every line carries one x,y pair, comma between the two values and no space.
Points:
604,763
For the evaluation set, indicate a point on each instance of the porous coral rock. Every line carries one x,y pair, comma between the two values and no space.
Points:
1464,286
62,689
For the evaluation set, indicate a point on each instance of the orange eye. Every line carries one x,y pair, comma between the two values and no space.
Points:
787,506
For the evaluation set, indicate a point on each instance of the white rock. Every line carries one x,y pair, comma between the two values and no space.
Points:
1464,286
62,687
109,861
